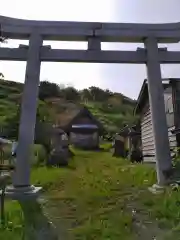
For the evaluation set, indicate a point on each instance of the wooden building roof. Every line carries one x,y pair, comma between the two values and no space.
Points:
81,112
143,95
129,131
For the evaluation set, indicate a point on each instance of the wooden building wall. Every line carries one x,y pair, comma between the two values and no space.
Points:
176,98
147,137
83,137
84,140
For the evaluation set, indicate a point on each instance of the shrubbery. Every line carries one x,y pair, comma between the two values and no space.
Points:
39,155
112,109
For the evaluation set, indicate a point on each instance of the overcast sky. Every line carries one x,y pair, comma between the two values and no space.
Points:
123,78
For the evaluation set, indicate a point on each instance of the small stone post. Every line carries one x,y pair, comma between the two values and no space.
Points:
158,116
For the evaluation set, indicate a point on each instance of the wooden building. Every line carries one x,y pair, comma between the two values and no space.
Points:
126,140
130,134
84,130
172,109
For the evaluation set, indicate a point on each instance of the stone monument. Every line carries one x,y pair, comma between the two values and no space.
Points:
60,153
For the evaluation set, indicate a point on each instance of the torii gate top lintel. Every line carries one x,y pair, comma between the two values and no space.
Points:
79,31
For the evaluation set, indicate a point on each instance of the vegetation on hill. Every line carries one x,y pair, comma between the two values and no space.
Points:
58,103
10,101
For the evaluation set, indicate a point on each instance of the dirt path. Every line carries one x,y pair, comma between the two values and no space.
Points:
51,210
144,228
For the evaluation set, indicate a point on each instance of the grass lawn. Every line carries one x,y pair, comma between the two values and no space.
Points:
101,197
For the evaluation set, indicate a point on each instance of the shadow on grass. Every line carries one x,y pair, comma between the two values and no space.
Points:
96,149
36,224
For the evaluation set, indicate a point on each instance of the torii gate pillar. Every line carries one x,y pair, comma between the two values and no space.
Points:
21,178
158,116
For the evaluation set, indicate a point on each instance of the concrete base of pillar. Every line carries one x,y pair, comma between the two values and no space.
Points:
156,189
22,193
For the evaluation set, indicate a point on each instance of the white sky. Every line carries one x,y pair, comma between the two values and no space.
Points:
124,78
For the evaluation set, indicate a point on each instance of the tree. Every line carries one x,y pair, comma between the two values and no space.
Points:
12,124
12,121
85,95
43,128
98,94
70,93
94,91
48,90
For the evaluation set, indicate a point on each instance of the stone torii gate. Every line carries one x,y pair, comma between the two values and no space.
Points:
94,33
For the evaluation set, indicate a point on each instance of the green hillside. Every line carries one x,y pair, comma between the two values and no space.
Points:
113,119
112,109
10,95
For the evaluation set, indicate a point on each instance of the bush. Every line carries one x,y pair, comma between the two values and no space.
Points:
5,154
48,90
38,155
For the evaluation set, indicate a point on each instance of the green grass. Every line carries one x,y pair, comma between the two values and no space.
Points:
101,197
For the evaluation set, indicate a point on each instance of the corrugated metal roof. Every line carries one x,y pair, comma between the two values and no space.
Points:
143,95
91,126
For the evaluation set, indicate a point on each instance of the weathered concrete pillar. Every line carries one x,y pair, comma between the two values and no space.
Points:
157,107
21,177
